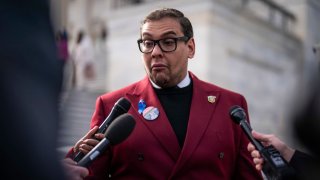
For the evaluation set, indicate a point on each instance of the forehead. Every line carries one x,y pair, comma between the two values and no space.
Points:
162,27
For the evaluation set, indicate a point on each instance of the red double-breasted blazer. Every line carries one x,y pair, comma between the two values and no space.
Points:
214,147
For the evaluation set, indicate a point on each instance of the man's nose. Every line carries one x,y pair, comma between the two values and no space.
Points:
156,51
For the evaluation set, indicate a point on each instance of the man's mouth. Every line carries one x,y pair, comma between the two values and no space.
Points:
158,67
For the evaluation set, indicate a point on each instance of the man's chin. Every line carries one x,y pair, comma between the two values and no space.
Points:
161,80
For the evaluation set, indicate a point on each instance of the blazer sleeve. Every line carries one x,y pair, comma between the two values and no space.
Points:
245,168
301,162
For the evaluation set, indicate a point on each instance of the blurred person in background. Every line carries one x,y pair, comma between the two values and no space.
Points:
83,57
30,78
63,56
62,44
306,119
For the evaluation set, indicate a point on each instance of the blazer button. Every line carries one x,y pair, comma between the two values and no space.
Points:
140,157
221,155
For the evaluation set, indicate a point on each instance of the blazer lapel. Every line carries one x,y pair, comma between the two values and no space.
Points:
202,109
160,127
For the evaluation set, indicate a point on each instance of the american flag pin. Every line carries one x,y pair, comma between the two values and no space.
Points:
212,99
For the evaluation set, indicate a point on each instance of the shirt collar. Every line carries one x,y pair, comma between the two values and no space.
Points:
184,83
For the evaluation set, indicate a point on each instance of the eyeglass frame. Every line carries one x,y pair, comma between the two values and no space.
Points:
155,42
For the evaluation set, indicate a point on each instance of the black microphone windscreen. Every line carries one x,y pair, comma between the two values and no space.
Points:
124,104
237,114
120,128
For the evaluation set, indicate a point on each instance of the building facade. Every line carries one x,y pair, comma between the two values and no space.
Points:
259,48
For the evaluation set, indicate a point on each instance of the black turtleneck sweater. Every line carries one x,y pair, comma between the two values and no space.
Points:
176,103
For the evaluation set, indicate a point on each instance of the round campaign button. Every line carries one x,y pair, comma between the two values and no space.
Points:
151,113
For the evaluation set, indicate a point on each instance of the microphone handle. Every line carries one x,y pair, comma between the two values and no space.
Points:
102,129
80,154
94,153
248,131
117,110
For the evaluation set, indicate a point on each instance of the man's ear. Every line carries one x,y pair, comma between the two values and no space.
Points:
192,47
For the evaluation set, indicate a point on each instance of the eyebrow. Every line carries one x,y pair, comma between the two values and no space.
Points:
164,34
169,33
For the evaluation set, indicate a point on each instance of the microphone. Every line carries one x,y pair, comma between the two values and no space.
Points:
118,131
275,166
120,107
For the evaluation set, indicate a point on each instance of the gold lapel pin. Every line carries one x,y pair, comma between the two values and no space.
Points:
212,99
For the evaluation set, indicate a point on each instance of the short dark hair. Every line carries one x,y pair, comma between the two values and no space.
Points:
80,36
171,13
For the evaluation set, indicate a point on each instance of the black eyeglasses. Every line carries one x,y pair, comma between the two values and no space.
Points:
166,44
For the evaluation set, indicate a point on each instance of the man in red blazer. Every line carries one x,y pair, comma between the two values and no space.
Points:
183,129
